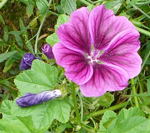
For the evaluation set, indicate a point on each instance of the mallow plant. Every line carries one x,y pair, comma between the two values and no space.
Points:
71,85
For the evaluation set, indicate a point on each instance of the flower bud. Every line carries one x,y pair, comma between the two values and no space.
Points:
47,50
26,61
31,99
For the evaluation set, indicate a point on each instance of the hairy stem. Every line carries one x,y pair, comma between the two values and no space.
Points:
134,93
145,59
75,104
115,107
145,32
39,30
81,105
85,2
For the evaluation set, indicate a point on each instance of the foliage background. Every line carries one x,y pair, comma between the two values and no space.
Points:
25,25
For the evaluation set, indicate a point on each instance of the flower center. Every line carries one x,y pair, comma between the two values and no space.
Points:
94,56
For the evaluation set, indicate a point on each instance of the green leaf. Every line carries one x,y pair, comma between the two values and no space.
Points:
18,125
114,5
41,77
29,6
2,3
17,37
8,64
52,39
68,6
2,42
42,115
107,120
42,5
127,121
148,85
106,100
5,56
61,20
5,37
2,20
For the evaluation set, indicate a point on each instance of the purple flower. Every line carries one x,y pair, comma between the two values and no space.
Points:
26,61
32,99
98,50
47,50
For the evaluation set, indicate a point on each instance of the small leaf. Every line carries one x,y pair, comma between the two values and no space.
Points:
5,56
8,64
29,9
52,39
114,5
42,5
2,3
17,37
68,6
106,100
61,20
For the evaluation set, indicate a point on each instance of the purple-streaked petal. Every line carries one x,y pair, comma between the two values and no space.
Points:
33,99
104,26
76,67
47,50
130,62
106,77
75,34
123,53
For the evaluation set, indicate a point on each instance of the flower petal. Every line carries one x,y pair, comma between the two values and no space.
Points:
75,34
123,53
76,67
104,26
106,77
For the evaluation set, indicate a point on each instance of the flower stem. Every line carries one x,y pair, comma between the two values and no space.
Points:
145,32
115,107
145,59
134,93
39,30
81,105
87,128
85,2
75,104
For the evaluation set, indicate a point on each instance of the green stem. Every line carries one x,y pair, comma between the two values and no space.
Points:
115,107
81,105
134,93
85,2
39,30
75,104
141,11
145,59
147,33
87,128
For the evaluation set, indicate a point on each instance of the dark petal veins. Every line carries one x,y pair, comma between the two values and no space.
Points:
104,26
75,34
105,77
76,67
